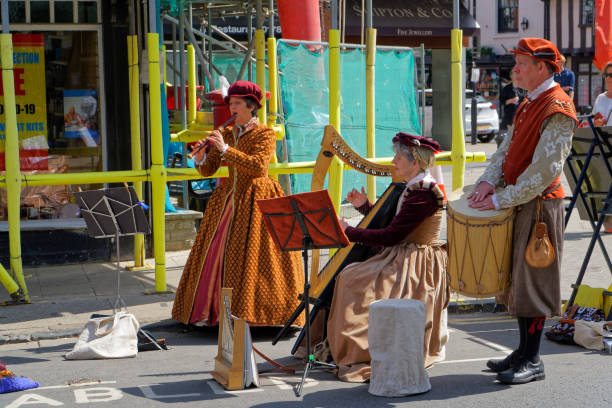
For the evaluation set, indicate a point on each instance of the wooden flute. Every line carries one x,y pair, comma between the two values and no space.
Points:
206,143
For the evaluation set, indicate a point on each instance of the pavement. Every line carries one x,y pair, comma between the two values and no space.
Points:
64,297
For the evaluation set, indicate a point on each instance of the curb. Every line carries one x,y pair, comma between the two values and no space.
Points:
457,307
478,305
25,338
61,334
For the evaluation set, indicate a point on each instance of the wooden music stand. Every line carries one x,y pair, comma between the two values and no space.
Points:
302,222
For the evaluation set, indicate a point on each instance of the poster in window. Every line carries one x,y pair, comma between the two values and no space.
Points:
30,103
81,116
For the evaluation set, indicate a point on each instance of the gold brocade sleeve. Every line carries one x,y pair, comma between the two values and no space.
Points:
547,163
255,154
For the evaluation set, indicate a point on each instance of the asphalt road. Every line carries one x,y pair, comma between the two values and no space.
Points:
181,376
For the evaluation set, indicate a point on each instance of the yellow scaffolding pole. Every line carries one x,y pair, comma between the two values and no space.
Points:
335,169
99,177
371,108
158,171
458,137
131,176
8,282
134,86
272,82
11,155
260,72
191,84
163,62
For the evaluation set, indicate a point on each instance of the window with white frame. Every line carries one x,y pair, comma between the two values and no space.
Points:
587,8
54,11
507,16
60,99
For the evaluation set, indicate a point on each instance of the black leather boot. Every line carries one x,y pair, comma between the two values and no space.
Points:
526,371
503,364
530,367
511,360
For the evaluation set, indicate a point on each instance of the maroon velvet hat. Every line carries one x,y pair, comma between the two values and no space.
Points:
540,49
245,89
411,140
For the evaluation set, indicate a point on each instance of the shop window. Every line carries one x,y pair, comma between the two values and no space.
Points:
88,12
587,8
589,83
507,16
64,11
488,83
39,11
17,11
58,112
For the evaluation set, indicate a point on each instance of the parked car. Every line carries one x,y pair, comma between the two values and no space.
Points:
428,96
487,120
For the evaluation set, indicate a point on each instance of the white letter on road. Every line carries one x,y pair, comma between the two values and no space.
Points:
30,399
100,394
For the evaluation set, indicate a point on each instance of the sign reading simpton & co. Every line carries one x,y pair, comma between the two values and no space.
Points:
415,18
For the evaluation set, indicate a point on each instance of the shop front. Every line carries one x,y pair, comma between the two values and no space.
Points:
61,119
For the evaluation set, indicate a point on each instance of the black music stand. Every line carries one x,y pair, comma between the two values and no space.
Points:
302,222
113,212
596,204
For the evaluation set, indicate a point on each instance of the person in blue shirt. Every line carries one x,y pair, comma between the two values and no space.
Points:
565,79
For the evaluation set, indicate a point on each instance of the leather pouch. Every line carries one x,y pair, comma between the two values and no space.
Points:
539,252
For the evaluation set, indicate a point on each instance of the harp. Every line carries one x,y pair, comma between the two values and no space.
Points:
322,282
334,145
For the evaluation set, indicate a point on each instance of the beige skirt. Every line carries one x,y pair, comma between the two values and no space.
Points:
407,271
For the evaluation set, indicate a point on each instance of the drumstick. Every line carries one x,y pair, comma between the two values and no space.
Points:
206,143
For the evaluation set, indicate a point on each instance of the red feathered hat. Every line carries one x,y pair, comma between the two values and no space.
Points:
411,140
245,89
540,49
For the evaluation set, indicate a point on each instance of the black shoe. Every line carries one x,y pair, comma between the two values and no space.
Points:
502,364
524,372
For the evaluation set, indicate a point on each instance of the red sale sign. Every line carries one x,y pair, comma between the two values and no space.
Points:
30,103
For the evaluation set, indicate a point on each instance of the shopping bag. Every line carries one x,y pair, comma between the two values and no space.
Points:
107,337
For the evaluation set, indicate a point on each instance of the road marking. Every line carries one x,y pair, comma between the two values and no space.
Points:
148,392
99,394
219,390
51,387
286,383
282,383
489,331
464,322
490,344
467,360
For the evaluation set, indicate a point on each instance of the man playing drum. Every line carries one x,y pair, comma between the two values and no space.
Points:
527,166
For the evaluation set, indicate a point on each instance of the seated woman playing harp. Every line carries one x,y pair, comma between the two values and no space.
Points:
411,264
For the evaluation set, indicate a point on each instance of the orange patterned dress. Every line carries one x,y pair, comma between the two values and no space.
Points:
234,241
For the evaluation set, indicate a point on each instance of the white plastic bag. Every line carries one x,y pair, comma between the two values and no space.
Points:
591,334
107,337
223,85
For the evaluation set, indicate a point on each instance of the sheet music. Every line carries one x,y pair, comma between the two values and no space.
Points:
251,375
227,347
